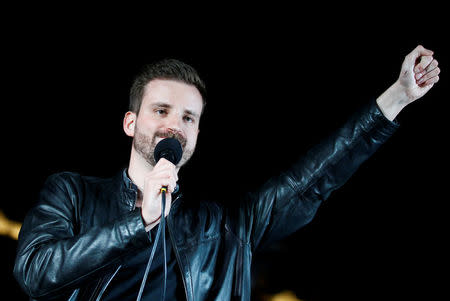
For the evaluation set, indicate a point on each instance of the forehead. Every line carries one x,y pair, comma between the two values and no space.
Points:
174,93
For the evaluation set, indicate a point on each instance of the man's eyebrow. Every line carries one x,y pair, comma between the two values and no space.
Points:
168,106
161,105
189,112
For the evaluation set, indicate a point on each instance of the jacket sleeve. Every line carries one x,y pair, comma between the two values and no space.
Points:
289,201
53,257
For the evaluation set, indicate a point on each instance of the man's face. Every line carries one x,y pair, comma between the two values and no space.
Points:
169,109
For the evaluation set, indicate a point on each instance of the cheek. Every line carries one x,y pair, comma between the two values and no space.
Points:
146,124
192,138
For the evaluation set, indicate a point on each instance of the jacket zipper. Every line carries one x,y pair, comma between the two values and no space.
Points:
239,270
177,255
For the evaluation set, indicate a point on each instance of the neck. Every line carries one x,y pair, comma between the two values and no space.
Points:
138,169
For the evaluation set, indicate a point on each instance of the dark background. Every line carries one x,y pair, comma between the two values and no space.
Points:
279,80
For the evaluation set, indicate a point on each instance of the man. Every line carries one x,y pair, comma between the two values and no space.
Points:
90,239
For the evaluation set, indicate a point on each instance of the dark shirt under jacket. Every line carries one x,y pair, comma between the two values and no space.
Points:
126,284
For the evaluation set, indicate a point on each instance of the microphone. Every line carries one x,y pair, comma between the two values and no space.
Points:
169,149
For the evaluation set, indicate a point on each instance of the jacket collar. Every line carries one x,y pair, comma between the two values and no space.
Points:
127,181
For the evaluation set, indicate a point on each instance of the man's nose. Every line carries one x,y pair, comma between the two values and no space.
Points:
173,123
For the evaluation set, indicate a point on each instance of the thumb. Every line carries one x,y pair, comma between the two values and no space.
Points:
168,203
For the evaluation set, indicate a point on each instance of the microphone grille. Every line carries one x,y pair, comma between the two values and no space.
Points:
169,149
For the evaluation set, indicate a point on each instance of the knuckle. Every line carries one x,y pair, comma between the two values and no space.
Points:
164,162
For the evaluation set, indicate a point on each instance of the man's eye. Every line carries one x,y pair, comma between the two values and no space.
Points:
188,119
160,112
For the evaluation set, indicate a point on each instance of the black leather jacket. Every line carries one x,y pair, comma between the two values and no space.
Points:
73,239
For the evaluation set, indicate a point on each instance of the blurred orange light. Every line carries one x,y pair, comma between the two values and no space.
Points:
9,227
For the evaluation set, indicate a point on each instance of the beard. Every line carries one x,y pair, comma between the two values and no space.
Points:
145,145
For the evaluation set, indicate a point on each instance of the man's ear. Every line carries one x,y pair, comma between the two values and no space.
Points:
129,123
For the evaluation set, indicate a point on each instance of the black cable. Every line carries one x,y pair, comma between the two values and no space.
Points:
161,228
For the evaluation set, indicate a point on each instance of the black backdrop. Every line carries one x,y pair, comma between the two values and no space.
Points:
277,84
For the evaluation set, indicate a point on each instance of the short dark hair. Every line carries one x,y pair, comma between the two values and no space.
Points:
164,69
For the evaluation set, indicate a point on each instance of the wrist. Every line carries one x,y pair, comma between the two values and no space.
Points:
149,223
392,101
